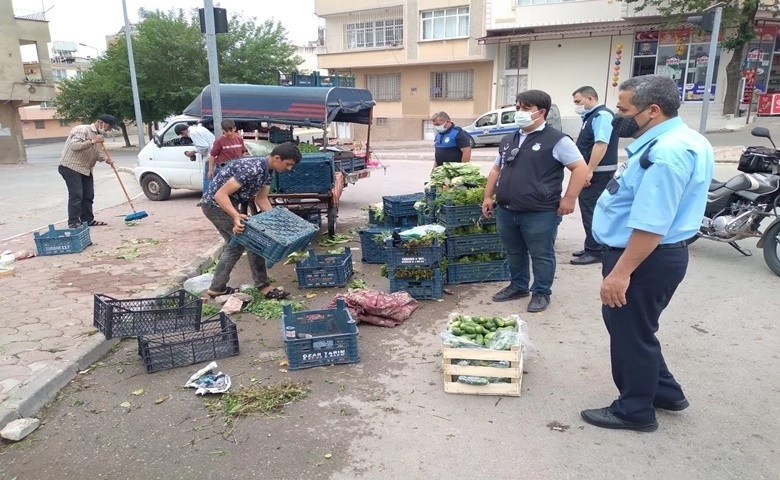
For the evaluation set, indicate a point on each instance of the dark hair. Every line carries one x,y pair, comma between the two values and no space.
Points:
228,124
535,98
586,91
647,90
287,151
180,128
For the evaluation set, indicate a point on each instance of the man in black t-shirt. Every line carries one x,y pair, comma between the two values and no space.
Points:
451,144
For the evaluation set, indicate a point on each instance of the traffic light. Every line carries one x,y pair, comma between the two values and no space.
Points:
705,21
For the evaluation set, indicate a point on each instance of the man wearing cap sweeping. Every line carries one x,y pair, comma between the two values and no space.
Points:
82,151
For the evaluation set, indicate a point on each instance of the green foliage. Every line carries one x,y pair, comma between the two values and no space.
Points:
172,67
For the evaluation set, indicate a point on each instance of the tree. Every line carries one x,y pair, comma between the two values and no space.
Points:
171,67
737,26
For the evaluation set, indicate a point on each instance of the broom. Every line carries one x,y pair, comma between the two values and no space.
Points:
136,215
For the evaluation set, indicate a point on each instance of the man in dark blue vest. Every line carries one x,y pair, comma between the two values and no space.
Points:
527,179
599,147
451,144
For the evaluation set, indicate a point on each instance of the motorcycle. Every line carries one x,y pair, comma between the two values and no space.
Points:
736,208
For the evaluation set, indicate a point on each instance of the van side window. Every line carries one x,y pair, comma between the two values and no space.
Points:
170,139
487,121
508,117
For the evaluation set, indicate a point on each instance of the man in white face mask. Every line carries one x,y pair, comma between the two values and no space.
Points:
598,144
81,153
451,144
527,178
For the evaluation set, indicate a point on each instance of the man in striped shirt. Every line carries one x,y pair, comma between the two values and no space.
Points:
79,157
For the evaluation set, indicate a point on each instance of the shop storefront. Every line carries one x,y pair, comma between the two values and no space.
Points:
761,70
681,54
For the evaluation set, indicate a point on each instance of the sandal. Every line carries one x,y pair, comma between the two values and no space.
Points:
276,294
96,223
227,291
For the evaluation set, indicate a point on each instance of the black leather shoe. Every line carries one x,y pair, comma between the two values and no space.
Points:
578,253
585,259
672,406
510,293
603,417
539,303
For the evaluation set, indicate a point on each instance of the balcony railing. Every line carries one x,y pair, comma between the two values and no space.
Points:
29,15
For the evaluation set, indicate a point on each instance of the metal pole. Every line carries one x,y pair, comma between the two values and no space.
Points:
211,54
710,69
139,122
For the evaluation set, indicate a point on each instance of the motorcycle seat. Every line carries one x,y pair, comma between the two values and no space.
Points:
714,185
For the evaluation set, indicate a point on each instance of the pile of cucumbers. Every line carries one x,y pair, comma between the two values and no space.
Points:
480,330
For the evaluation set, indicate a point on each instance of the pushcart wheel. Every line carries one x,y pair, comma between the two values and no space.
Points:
333,213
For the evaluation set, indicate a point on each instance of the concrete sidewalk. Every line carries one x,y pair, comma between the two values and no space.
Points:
47,336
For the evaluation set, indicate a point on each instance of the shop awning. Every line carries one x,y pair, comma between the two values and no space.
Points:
525,35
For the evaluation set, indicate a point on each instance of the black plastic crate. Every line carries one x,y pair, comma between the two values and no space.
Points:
478,272
406,221
373,250
315,173
459,245
401,205
413,257
452,216
216,338
58,242
280,135
327,270
319,337
175,312
420,289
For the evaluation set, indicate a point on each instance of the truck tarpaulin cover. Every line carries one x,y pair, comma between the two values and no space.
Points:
299,106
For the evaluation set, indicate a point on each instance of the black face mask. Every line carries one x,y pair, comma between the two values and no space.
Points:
626,127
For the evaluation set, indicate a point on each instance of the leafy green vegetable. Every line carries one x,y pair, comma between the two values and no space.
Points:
270,309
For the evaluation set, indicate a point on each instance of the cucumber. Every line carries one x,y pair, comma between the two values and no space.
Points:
468,328
456,331
480,340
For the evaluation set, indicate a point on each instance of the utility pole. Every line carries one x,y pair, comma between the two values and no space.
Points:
211,54
709,22
139,122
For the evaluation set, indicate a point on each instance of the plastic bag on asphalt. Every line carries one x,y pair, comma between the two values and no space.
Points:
196,285
206,381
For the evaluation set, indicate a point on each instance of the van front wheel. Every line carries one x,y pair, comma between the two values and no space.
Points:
155,188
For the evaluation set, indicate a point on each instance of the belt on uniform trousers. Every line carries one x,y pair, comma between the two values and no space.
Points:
605,168
661,246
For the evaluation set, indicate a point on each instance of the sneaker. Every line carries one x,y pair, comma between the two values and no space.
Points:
539,302
510,293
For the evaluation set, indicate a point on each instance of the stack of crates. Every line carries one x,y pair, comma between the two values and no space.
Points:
415,270
458,245
399,209
426,213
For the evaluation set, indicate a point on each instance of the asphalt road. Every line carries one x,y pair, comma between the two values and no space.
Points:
387,417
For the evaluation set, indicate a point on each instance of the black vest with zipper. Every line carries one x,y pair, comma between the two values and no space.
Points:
587,139
533,182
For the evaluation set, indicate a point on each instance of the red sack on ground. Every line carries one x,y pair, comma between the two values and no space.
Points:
378,308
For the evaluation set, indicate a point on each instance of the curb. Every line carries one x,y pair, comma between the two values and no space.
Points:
43,387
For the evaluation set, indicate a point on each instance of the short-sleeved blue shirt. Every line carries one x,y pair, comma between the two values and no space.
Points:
251,172
602,126
667,198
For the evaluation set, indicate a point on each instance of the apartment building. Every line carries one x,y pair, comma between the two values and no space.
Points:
22,82
560,45
417,57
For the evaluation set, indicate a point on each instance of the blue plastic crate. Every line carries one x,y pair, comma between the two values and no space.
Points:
478,272
312,216
372,220
452,216
328,270
335,81
373,250
459,245
314,338
275,234
280,135
419,289
406,221
58,242
401,205
413,257
315,173
425,219
216,338
351,164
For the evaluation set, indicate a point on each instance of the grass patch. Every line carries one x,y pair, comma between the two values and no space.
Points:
209,310
266,400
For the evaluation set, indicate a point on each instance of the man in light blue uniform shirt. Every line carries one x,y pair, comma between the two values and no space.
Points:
653,204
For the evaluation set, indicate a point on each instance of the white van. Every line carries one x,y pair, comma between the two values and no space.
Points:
490,127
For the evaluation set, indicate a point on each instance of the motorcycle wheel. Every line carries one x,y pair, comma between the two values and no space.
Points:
771,246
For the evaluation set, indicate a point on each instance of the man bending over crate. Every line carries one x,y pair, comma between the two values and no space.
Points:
244,180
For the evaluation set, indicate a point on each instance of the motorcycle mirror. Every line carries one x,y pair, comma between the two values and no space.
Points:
762,132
